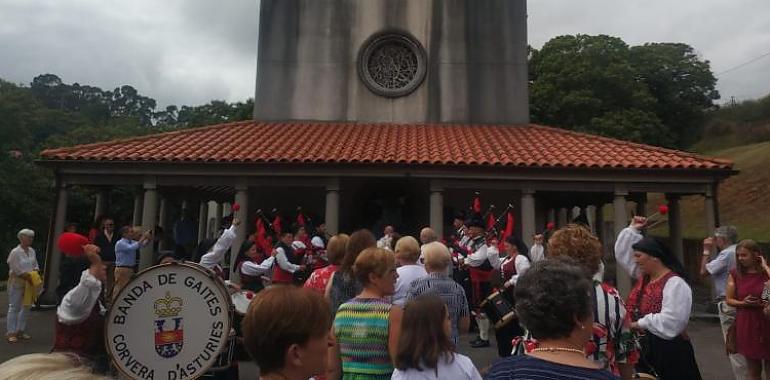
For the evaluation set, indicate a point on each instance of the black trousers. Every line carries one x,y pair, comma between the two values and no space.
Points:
669,359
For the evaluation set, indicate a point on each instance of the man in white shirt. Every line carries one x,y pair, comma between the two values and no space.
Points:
407,254
480,267
723,242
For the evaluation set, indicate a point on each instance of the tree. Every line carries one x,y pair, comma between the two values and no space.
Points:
577,79
682,83
656,93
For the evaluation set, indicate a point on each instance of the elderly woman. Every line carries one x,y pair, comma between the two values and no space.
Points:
407,254
553,301
367,328
286,344
23,276
612,345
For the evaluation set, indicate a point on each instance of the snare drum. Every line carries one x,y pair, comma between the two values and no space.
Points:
171,320
498,308
241,301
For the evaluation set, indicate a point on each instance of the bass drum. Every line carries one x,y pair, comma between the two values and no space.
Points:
172,321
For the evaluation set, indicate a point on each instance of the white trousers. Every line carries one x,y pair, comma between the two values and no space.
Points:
17,314
726,318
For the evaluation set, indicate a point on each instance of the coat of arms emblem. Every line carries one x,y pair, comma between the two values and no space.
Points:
169,337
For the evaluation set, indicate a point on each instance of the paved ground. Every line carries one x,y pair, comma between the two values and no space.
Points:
706,336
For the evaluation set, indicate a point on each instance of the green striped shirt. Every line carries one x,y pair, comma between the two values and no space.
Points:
361,328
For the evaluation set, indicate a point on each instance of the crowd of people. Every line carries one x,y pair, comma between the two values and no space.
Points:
397,307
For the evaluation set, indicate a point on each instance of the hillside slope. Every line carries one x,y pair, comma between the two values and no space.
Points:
744,199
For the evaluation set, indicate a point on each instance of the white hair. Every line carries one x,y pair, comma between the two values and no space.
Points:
56,366
25,232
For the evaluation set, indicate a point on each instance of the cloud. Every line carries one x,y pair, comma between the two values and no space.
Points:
190,52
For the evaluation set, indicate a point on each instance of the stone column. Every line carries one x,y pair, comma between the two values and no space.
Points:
561,218
101,202
163,223
641,205
620,220
675,226
710,206
242,199
137,216
332,211
599,222
53,257
203,220
527,215
437,209
149,220
217,220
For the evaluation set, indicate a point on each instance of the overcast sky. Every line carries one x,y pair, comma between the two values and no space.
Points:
192,51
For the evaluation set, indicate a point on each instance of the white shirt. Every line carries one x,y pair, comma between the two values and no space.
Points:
283,261
317,242
720,268
385,242
677,295
406,274
461,368
217,253
478,257
77,304
624,254
675,312
253,269
493,255
521,264
536,253
20,262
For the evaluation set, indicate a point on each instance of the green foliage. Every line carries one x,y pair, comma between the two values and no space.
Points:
49,114
737,124
654,94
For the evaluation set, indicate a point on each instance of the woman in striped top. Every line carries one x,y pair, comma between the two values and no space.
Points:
367,327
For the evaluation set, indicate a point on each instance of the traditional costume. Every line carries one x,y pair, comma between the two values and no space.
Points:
480,267
215,255
80,322
252,270
288,263
661,307
510,270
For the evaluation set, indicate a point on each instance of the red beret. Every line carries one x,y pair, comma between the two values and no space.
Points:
71,244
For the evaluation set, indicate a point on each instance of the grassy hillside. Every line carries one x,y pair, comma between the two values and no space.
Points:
744,200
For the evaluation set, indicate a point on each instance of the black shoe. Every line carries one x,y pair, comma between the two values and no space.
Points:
476,341
480,343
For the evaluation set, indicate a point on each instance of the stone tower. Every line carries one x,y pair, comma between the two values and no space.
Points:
397,61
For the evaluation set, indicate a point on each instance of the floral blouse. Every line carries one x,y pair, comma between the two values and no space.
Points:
320,277
612,342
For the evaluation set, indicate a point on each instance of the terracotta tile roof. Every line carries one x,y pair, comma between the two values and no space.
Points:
372,143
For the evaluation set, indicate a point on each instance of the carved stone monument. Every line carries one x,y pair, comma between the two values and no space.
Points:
407,61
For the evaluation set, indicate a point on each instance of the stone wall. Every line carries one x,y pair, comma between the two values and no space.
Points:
476,53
